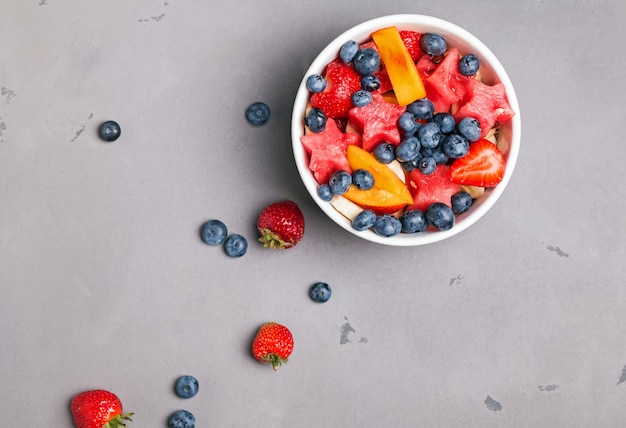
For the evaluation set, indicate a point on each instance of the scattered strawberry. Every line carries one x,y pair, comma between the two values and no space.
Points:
412,40
341,82
483,165
273,344
98,409
280,225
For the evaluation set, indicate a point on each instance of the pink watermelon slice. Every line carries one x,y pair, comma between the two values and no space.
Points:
430,188
327,150
446,85
487,104
378,121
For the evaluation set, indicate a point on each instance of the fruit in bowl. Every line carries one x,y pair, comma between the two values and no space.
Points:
420,111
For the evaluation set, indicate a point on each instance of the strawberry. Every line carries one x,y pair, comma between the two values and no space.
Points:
412,41
483,165
273,344
341,82
280,225
98,409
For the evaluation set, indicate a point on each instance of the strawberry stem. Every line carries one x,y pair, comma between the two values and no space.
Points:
272,240
275,360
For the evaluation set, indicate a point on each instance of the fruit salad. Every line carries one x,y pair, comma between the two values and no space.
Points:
401,132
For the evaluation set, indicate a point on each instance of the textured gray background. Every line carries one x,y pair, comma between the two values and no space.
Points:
104,282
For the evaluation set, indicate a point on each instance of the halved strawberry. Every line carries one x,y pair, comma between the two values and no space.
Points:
484,165
412,40
341,82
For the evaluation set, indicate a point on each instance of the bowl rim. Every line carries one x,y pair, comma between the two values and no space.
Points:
360,33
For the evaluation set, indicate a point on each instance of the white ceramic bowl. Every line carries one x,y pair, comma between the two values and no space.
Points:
491,72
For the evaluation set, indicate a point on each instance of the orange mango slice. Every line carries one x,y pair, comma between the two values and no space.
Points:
405,79
389,193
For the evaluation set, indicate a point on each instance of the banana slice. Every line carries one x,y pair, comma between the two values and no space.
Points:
345,207
396,167
474,191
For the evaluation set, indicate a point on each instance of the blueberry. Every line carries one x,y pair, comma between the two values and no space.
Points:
461,202
315,120
469,128
181,419
429,135
436,152
439,215
427,165
407,123
213,232
110,131
469,64
408,149
324,192
445,121
409,166
384,153
455,146
315,83
320,292
364,220
387,225
433,44
370,83
422,109
186,386
413,221
366,61
258,113
339,182
235,245
348,51
362,179
361,98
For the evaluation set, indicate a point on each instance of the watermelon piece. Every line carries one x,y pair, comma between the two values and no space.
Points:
378,121
446,85
487,104
429,188
327,151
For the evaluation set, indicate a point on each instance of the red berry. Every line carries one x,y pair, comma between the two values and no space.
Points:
342,81
273,344
483,165
280,225
98,408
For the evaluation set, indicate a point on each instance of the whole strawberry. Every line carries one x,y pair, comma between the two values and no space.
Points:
280,225
98,409
273,344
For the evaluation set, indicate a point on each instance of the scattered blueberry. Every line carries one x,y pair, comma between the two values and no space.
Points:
339,182
324,192
427,165
461,202
439,215
258,113
213,232
413,221
384,153
387,225
407,123
361,98
315,120
181,419
110,131
362,179
429,135
364,220
422,109
315,83
235,245
348,51
469,128
186,386
445,121
469,64
455,146
320,292
433,44
366,61
408,149
370,83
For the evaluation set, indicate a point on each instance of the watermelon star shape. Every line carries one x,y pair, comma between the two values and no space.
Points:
378,121
327,150
488,104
